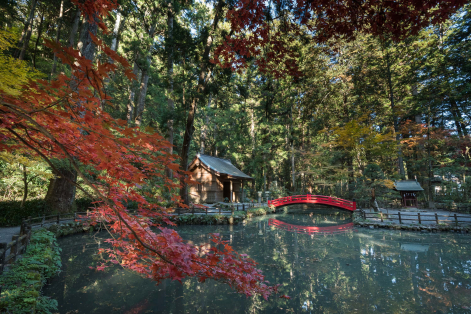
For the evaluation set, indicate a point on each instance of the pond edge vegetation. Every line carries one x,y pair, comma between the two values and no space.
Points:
23,282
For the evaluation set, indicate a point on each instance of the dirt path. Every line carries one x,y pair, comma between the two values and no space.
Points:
7,232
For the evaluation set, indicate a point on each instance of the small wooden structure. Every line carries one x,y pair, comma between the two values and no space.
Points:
408,190
219,180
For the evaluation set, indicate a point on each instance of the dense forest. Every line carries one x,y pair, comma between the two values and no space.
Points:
358,111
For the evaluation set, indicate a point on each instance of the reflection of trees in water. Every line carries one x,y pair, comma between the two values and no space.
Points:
366,271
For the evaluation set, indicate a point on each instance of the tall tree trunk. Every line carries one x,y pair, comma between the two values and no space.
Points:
400,159
29,30
114,46
457,116
170,102
189,129
73,31
144,80
58,34
40,33
61,191
204,129
26,34
25,183
142,94
132,95
117,25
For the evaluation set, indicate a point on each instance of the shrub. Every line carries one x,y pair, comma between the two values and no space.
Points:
23,282
240,215
257,211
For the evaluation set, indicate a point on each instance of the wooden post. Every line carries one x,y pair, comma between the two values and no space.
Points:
75,216
58,218
456,220
22,229
44,219
3,246
364,215
381,217
420,220
192,209
399,214
436,218
206,210
28,237
14,248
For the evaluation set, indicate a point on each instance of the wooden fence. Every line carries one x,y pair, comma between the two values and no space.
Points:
459,208
17,246
402,216
20,242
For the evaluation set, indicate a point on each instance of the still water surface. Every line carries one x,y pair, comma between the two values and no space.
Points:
323,270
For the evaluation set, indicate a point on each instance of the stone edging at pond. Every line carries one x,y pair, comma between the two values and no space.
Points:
360,222
69,228
216,219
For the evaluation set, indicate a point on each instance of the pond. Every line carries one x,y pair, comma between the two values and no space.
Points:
334,268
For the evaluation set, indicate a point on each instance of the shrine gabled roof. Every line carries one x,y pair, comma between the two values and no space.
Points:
221,166
407,185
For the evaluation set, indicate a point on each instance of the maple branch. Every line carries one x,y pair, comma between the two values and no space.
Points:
49,162
18,111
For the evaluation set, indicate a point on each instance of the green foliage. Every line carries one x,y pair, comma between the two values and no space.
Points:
258,211
22,284
240,214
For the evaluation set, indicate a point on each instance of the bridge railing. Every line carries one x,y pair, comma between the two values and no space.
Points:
314,199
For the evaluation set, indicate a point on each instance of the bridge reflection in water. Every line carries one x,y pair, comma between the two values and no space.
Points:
310,229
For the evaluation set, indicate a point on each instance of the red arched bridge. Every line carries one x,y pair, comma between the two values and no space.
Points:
314,199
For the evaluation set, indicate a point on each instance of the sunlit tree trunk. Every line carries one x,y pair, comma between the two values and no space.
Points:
117,25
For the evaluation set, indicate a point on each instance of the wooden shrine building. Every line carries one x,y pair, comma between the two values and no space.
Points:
219,180
408,190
